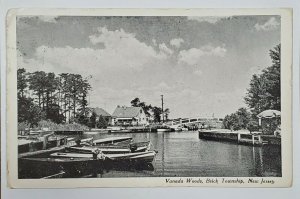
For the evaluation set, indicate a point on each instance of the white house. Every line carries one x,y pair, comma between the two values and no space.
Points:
129,116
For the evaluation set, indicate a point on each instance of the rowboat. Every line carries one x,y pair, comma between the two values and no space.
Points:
111,149
120,131
140,157
71,165
111,140
146,156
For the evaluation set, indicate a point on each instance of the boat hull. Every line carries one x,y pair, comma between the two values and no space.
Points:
71,167
141,157
163,130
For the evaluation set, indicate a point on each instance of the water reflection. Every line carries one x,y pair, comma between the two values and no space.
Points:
184,154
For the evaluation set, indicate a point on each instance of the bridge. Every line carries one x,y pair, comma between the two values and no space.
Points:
194,122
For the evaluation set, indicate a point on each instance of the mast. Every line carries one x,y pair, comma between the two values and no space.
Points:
162,107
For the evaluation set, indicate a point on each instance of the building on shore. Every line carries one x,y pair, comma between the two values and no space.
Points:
129,116
270,122
101,112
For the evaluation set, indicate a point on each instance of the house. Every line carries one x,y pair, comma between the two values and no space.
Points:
101,112
270,122
129,116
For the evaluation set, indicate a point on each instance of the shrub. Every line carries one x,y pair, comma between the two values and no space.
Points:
253,125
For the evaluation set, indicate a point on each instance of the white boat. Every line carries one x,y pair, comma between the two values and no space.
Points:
146,156
76,155
163,130
111,140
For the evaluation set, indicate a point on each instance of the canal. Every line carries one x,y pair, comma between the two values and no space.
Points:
184,154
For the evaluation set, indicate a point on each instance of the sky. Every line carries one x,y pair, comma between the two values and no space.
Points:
202,65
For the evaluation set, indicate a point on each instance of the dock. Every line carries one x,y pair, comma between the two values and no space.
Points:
68,132
240,138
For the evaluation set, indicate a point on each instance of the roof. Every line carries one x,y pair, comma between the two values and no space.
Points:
269,114
100,111
126,112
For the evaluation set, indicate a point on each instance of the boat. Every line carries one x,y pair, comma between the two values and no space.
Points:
95,155
146,156
71,165
120,131
163,130
111,140
140,157
74,141
111,149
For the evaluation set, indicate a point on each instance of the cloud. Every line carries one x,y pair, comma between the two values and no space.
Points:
124,48
154,42
162,86
176,42
121,51
163,48
198,72
271,24
194,55
209,19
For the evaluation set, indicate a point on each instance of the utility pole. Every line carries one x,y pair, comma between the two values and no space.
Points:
162,107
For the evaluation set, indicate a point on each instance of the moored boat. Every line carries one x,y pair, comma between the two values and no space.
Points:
110,149
71,165
111,140
146,156
163,130
140,157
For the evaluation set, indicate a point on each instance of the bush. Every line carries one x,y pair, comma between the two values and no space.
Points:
238,120
60,127
22,126
253,125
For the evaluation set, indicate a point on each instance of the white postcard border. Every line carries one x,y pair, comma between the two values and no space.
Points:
286,96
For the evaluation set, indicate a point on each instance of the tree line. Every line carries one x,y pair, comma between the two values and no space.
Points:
46,96
263,94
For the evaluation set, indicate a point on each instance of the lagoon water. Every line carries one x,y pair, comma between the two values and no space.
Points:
183,154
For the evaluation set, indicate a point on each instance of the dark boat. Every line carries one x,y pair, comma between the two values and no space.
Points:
70,166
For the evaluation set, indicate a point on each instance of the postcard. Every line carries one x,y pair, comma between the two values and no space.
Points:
149,98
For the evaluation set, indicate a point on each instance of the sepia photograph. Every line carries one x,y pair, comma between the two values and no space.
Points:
192,99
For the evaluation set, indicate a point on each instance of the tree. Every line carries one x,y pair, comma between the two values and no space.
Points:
29,112
167,112
93,120
54,95
264,91
243,117
231,121
238,120
37,85
156,113
253,125
135,102
21,81
82,118
101,123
